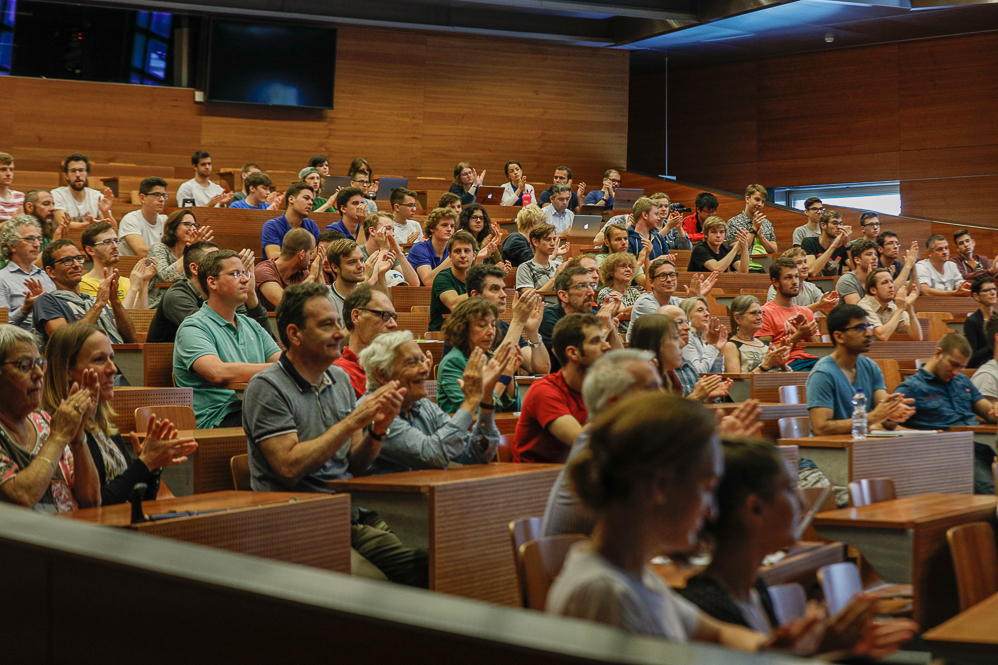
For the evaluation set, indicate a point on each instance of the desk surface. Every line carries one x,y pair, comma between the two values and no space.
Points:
908,512
845,440
120,514
977,625
979,429
422,481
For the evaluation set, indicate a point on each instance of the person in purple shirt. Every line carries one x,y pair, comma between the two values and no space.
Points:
257,186
352,205
299,198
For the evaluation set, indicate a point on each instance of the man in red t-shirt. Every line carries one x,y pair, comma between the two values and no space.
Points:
294,265
782,319
553,412
706,206
367,313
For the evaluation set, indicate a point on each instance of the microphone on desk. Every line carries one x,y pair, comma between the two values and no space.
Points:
138,492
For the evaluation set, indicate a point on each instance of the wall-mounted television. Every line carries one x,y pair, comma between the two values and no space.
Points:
276,65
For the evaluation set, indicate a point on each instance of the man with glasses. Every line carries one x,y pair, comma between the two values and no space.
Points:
404,206
664,281
869,225
813,209
67,304
218,346
100,245
604,196
143,228
76,204
834,379
362,181
21,281
827,254
577,295
367,313
971,265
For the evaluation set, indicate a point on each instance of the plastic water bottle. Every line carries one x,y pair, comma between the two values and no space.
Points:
526,197
859,425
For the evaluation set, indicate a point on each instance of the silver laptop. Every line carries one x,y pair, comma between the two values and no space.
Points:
586,226
386,185
625,198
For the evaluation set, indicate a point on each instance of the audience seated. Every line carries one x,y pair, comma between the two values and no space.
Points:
665,334
810,229
869,227
475,220
77,204
576,292
381,238
449,289
200,190
45,463
81,351
352,206
712,255
745,353
296,264
540,271
367,314
889,247
472,326
558,213
258,187
423,435
304,427
429,257
21,281
298,204
834,379
142,228
937,275
563,175
100,245
810,296
827,254
970,265
985,294
604,195
706,207
645,235
516,187
361,179
752,220
185,297
664,280
11,201
889,312
450,200
617,274
404,206
244,172
217,345
553,412
346,260
986,376
67,304
180,231
466,183
326,238
782,319
616,242
38,203
312,177
516,249
945,397
851,286
707,336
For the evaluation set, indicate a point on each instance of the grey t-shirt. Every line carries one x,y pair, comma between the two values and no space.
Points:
802,232
533,275
848,284
647,304
279,401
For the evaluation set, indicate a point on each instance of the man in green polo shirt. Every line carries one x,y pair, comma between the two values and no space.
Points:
448,289
217,346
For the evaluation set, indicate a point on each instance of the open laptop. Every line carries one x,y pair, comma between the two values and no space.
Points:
489,196
625,198
586,226
333,182
387,185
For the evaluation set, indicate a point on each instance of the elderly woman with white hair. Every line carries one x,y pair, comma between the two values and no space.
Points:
45,463
707,338
423,436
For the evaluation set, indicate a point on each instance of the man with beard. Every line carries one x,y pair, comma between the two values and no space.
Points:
39,204
577,295
782,318
295,265
20,280
76,203
346,260
100,244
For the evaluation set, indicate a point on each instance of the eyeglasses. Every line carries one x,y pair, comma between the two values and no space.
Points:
411,206
25,365
872,224
236,274
107,243
666,276
160,195
70,260
385,316
861,327
193,225
816,210
581,286
480,218
32,239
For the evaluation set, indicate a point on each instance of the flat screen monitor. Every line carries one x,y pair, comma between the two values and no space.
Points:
276,65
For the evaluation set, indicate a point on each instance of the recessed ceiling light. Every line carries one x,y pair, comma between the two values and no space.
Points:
829,38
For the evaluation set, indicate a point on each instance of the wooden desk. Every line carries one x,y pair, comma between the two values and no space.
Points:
208,468
130,362
905,541
462,517
969,637
771,414
506,422
819,349
983,434
917,462
303,528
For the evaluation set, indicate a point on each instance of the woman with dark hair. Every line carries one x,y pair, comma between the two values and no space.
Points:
181,229
757,514
466,183
475,220
472,325
514,190
75,350
361,165
661,335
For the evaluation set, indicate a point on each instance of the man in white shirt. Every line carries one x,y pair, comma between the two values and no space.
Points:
404,206
203,191
559,216
937,275
142,228
986,376
76,201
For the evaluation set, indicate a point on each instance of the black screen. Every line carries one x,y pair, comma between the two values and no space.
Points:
279,65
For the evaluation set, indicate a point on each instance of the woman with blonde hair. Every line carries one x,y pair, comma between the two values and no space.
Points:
616,274
516,249
707,338
73,351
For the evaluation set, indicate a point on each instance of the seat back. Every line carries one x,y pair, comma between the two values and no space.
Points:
975,561
891,371
790,394
522,531
504,453
542,561
871,490
182,417
795,428
240,472
789,602
840,582
434,335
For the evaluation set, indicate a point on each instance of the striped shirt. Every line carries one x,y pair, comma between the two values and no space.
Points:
10,205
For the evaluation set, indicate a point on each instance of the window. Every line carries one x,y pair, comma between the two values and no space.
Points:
8,11
883,197
150,53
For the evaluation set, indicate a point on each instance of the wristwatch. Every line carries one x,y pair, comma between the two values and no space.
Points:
533,345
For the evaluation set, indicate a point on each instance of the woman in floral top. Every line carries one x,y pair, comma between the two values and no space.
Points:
616,274
44,460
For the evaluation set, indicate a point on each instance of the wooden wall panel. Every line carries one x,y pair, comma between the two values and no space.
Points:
948,162
957,200
833,167
412,103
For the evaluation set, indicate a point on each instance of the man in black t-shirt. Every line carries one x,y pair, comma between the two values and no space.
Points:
827,253
711,254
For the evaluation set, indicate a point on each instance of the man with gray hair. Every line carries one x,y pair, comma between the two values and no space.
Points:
423,436
937,275
20,280
559,214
